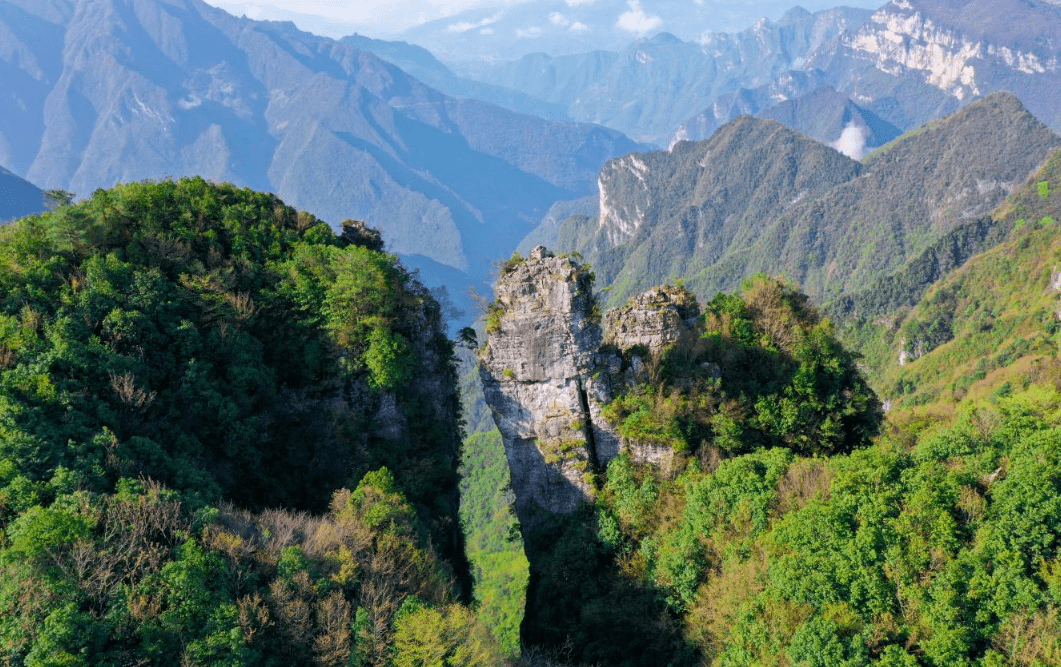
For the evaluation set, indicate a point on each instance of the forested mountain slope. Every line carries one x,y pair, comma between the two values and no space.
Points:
758,197
230,436
985,327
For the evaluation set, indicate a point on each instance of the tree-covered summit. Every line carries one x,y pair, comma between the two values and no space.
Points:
186,370
200,335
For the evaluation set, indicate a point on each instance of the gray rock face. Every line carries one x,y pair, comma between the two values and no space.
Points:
548,369
655,319
534,369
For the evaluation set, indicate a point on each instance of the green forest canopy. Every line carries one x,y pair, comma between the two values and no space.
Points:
175,359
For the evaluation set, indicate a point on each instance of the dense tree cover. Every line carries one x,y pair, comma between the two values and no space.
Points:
136,577
905,288
176,357
186,331
760,376
932,548
936,543
763,370
492,538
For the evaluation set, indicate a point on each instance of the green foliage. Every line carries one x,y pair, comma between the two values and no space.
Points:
511,263
134,575
646,415
389,358
182,330
449,637
981,325
783,380
168,349
492,538
493,318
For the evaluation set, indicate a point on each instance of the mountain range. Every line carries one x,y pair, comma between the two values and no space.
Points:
824,114
908,62
123,90
760,197
456,164
508,31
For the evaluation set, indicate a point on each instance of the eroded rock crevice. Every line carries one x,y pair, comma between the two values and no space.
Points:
587,428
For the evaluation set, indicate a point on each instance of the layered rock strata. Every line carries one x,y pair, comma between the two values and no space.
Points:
548,368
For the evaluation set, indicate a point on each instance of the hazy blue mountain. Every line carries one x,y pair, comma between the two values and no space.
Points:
104,91
18,197
421,64
824,114
509,31
653,86
760,197
555,79
909,62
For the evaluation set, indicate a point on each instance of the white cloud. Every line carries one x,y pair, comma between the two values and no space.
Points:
558,19
637,21
252,11
579,27
465,26
529,33
852,141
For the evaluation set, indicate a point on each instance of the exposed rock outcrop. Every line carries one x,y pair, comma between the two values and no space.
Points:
535,369
548,369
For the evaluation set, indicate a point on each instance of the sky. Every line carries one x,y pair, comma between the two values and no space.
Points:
336,18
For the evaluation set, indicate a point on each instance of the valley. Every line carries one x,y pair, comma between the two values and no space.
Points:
552,334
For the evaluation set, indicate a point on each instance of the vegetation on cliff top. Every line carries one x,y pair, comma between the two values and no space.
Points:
762,369
177,357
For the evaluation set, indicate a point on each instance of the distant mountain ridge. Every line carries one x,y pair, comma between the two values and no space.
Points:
652,87
759,197
509,31
420,63
824,114
18,197
103,91
909,62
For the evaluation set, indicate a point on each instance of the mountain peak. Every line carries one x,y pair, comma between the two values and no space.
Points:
760,197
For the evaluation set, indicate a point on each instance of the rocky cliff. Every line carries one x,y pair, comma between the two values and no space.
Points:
549,367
